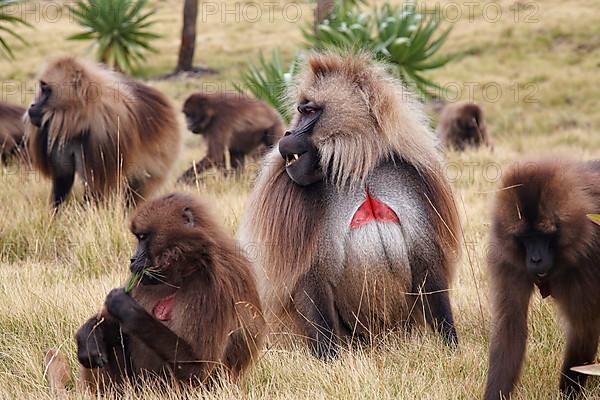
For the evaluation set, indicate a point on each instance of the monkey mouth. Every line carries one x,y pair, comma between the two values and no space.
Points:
291,158
542,274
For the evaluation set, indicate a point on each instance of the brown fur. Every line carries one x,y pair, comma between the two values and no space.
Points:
237,124
549,197
462,125
373,123
12,141
133,136
217,310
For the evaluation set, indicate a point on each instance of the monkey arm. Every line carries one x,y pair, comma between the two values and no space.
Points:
314,302
135,321
511,290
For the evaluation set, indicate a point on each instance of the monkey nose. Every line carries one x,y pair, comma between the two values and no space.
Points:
535,259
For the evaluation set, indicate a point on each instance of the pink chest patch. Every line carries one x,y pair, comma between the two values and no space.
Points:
373,209
162,310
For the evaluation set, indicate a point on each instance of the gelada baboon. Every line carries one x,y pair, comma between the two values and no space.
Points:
12,142
462,125
195,314
230,122
108,129
352,217
541,237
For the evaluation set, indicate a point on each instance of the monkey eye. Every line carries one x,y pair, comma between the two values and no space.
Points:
44,87
308,107
141,236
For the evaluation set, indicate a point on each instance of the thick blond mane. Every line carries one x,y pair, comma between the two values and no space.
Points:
389,122
89,98
127,131
376,120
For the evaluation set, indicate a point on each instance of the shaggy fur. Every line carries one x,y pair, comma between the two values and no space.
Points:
12,141
367,122
216,325
230,122
550,197
124,131
462,125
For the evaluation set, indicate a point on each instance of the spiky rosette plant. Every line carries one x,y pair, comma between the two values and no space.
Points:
119,29
8,22
268,81
400,35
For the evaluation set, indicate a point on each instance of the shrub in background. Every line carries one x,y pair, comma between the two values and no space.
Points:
8,21
120,30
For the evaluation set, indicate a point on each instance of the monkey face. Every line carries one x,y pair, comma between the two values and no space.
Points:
166,230
298,149
36,109
469,128
538,249
198,114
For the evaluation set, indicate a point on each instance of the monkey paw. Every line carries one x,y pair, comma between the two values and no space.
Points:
120,305
91,351
91,357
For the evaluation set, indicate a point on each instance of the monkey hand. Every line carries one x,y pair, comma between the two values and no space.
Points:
122,306
91,346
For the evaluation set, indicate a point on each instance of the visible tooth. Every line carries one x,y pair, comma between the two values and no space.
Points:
296,156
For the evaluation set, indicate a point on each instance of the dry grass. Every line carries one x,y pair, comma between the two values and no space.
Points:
56,270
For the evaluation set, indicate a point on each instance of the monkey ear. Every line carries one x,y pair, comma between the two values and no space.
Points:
188,216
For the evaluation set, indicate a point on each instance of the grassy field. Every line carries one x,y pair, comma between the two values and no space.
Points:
535,70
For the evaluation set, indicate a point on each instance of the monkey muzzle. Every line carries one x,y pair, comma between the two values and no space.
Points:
35,115
301,166
539,257
302,162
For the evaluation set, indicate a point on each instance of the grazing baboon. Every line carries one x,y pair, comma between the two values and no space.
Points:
12,143
108,129
230,122
352,217
462,125
195,314
542,237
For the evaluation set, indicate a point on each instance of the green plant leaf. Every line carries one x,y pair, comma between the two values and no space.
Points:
594,218
13,21
399,35
119,30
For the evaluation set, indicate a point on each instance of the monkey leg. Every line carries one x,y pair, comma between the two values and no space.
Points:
135,321
190,175
237,161
62,179
511,291
582,343
239,354
430,287
318,319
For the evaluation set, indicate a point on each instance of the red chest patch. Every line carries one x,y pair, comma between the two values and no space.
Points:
373,209
162,310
